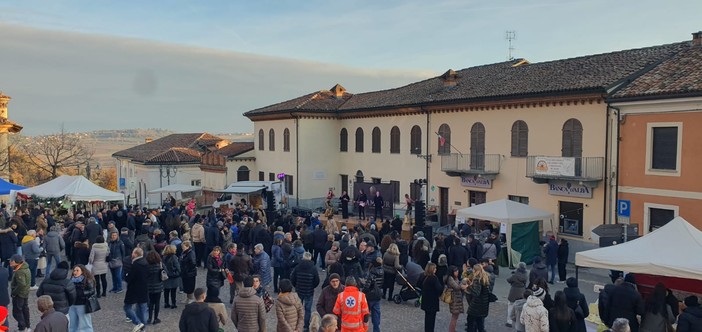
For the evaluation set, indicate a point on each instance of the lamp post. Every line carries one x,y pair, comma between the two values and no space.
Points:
167,172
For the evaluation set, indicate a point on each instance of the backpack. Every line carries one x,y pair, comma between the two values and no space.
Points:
371,289
294,259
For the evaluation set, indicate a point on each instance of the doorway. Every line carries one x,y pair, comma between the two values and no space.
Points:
443,205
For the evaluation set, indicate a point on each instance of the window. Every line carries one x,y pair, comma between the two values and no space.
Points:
359,176
477,146
196,182
288,184
261,176
444,139
396,191
572,139
271,140
344,183
271,176
375,140
242,174
664,148
286,140
571,218
519,199
343,140
657,215
260,139
520,139
395,140
416,140
476,198
359,140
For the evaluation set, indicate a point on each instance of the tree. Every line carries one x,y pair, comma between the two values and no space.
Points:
53,154
107,178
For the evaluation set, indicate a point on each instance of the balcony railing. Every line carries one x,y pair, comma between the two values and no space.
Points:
566,168
471,163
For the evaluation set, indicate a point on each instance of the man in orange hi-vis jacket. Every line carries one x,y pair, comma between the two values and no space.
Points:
352,307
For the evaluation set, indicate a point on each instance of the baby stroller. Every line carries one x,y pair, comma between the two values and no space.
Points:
407,292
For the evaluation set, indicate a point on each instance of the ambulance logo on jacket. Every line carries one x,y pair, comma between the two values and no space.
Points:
350,302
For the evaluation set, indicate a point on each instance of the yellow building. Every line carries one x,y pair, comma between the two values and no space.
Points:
531,132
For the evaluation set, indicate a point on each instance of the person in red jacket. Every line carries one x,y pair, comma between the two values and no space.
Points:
352,307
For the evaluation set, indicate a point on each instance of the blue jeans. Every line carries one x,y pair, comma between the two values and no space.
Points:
553,272
116,279
307,301
79,320
140,316
49,258
33,270
374,307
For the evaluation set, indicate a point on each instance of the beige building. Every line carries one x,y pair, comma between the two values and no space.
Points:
531,132
6,127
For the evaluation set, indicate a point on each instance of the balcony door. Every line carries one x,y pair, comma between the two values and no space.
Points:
573,143
477,146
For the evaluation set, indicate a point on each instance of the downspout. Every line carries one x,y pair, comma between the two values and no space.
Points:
427,159
607,178
297,158
618,138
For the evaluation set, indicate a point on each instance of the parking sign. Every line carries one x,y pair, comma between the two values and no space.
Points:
623,208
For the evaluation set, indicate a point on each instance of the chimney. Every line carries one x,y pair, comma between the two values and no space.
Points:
450,78
148,140
338,91
697,38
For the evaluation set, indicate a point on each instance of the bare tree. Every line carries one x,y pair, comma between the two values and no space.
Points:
57,153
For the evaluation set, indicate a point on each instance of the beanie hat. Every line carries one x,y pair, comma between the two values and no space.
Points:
334,276
629,277
63,265
540,293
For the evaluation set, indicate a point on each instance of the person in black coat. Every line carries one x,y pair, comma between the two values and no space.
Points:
575,299
188,267
562,259
4,294
345,205
320,240
305,278
137,290
198,316
457,254
215,271
8,246
92,230
431,290
625,302
61,290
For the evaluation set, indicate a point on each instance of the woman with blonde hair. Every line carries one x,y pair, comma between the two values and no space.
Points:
332,228
391,264
479,304
172,267
431,290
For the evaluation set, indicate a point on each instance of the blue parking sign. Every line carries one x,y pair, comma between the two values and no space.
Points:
623,208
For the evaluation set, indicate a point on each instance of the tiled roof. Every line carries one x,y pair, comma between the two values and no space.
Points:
517,78
173,148
678,75
236,148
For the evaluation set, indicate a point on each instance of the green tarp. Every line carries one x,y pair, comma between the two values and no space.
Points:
525,240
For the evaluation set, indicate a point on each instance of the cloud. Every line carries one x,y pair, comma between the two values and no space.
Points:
93,82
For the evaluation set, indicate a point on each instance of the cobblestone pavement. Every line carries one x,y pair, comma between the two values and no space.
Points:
394,317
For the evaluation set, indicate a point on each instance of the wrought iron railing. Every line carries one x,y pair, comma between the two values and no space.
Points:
476,163
585,168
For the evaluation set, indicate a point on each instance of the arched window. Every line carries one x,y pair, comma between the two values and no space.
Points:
395,140
477,146
359,139
520,139
260,139
242,174
572,139
444,139
271,140
375,140
359,176
416,140
286,140
343,140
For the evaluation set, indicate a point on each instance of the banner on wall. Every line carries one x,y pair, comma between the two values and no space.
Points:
554,166
475,181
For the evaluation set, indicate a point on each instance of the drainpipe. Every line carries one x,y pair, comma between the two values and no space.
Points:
297,158
427,159
618,138
607,178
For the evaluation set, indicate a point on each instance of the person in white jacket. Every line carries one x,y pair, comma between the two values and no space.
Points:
534,315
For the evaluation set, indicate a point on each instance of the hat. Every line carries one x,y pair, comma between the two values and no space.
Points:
692,301
280,228
540,293
420,234
111,222
344,228
472,261
334,276
220,224
124,229
370,243
629,277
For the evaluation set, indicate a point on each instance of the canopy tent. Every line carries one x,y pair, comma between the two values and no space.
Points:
659,253
6,187
75,188
240,190
175,188
507,212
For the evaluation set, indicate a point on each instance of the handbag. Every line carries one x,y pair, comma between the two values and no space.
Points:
230,278
92,305
164,274
89,267
446,296
579,311
115,263
267,301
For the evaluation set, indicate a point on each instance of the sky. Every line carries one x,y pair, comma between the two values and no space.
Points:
196,66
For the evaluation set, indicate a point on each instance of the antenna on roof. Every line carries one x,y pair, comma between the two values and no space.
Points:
510,35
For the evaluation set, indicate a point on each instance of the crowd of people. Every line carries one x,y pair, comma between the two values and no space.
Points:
155,253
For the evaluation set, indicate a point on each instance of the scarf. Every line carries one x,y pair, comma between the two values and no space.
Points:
78,279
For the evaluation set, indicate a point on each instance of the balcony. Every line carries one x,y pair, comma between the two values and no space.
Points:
542,169
484,165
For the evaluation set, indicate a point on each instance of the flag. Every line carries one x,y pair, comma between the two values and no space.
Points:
442,140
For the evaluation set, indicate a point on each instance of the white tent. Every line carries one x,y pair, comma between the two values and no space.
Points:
507,212
662,252
175,188
75,188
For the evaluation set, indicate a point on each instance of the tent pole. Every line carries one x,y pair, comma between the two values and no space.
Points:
576,273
